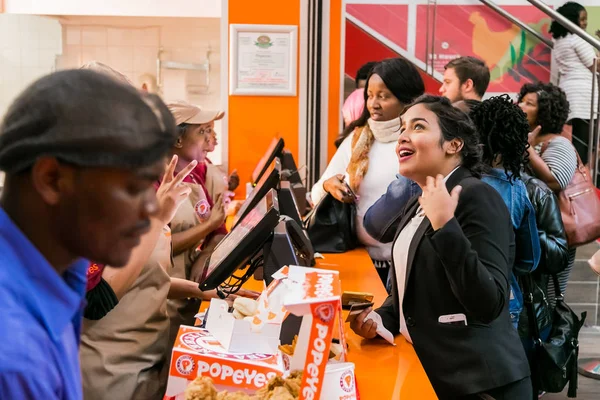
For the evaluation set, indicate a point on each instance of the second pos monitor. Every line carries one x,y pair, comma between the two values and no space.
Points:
242,244
290,176
263,237
271,179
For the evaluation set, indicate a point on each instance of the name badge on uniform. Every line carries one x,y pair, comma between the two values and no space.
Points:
202,209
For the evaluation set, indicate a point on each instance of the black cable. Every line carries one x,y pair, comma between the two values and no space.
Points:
234,283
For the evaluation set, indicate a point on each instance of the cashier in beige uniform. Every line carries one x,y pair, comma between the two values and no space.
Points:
198,224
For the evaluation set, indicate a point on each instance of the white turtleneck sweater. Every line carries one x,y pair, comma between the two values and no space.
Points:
383,167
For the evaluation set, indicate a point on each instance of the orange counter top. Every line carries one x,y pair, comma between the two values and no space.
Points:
383,371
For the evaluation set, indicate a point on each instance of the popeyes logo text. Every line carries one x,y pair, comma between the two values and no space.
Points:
228,375
321,285
318,350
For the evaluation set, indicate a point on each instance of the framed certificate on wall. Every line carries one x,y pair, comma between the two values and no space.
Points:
263,60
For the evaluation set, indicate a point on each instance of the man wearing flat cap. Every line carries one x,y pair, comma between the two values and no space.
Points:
81,152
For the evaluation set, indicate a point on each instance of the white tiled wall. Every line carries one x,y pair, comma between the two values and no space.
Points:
29,45
131,45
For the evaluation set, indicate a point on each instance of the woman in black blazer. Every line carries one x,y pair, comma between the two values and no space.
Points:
452,256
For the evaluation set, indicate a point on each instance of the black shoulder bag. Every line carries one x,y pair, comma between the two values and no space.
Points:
555,360
331,226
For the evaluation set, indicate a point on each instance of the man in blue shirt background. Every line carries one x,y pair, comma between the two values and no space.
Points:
81,152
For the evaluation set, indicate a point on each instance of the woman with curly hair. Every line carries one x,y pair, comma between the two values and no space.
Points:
503,130
366,158
552,158
572,66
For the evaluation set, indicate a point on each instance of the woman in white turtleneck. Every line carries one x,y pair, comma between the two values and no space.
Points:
366,159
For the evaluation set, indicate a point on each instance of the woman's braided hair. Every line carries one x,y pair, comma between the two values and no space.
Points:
503,130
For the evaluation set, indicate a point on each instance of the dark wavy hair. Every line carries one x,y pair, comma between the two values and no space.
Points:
570,11
553,106
503,131
402,79
455,124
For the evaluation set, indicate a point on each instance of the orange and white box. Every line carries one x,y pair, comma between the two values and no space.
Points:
197,353
315,294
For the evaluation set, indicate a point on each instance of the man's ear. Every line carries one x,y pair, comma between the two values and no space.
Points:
454,146
467,86
51,179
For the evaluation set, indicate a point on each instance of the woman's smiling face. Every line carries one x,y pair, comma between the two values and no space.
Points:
421,150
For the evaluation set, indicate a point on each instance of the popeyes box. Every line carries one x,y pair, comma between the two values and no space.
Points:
197,353
315,294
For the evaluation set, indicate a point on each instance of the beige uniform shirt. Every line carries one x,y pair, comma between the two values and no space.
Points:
192,212
217,182
123,354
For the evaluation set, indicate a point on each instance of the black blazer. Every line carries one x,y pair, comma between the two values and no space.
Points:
461,268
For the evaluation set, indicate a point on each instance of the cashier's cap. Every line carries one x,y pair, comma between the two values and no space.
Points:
186,113
87,119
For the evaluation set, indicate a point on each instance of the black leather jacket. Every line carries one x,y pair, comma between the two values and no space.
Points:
553,242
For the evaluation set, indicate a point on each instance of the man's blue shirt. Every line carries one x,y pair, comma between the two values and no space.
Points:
41,321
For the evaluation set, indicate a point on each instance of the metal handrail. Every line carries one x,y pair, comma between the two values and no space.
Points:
430,42
543,7
518,22
427,42
594,132
593,112
433,37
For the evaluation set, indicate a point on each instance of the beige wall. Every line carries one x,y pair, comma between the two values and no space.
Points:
131,45
32,46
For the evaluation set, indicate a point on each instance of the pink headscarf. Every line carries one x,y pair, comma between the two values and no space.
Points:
353,106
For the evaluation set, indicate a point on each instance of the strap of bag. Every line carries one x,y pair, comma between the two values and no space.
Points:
534,330
528,298
573,373
557,292
573,380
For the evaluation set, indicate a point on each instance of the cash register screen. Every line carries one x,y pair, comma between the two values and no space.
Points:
275,149
269,180
242,243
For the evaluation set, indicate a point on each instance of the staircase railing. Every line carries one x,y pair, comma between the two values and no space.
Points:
516,21
543,7
432,17
594,132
